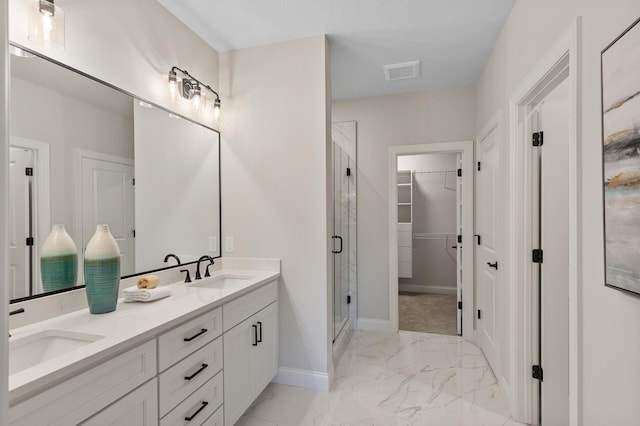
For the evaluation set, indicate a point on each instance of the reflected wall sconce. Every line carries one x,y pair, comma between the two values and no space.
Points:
46,24
190,88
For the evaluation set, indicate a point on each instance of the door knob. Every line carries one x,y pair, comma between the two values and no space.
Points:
493,265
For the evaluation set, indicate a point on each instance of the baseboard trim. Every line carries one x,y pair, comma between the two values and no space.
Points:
371,324
434,289
302,379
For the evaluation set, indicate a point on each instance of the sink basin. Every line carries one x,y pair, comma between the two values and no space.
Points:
36,348
224,281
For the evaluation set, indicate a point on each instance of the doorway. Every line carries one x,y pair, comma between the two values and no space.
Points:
29,215
544,238
429,192
457,179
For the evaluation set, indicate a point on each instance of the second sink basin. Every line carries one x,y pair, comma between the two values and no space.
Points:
34,349
223,281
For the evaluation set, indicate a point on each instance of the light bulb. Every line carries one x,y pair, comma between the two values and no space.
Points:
216,110
173,85
196,96
46,24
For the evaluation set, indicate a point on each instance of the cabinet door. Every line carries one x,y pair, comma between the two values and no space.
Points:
238,352
139,408
265,355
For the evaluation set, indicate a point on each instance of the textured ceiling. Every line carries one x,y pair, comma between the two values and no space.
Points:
451,38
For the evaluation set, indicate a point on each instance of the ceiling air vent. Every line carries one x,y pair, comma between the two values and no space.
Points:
401,71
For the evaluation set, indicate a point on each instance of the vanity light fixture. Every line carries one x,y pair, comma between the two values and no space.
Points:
191,88
46,24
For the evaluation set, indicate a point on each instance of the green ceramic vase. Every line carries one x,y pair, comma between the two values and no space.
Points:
58,260
102,271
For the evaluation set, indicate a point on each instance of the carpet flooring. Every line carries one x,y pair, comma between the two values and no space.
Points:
428,313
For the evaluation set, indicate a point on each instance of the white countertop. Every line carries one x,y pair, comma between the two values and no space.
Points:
130,324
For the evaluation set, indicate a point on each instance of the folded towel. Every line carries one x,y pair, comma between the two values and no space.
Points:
134,294
148,281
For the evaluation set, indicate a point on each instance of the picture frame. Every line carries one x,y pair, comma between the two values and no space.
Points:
620,62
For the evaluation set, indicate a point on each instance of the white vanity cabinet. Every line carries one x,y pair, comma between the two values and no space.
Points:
250,349
204,371
190,365
80,397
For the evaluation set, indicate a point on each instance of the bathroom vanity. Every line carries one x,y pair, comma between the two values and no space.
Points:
198,357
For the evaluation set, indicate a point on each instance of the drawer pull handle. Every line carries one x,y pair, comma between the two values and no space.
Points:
260,338
200,370
255,335
188,339
189,418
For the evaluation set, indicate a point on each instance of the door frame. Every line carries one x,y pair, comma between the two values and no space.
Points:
466,148
562,61
41,197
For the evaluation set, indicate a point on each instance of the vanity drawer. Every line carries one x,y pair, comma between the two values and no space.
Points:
76,399
139,408
181,380
188,337
242,308
199,406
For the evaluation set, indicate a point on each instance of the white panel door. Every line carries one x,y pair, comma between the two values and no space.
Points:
19,222
554,271
487,276
108,198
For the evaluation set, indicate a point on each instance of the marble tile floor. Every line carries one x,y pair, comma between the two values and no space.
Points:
404,378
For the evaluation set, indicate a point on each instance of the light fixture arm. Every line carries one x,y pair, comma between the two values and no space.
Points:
192,78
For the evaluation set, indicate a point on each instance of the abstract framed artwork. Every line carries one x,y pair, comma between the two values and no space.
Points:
620,70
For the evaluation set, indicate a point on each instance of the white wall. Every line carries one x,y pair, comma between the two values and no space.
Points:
274,173
130,44
436,116
610,341
434,211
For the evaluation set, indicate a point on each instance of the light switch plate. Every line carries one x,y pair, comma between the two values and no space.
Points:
229,243
213,243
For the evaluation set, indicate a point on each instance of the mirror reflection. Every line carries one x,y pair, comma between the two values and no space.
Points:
82,154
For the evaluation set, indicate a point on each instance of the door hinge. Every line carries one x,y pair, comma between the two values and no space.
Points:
536,256
459,172
133,181
478,166
537,138
29,241
460,304
348,300
536,372
348,171
479,314
459,239
28,171
478,237
133,232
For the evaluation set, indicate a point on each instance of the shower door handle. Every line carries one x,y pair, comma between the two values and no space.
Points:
339,238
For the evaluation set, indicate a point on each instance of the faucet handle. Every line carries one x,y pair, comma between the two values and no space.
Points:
188,277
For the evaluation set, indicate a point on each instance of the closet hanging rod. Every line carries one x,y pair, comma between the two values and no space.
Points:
417,172
433,235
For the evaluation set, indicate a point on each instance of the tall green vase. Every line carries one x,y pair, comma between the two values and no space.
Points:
102,271
58,260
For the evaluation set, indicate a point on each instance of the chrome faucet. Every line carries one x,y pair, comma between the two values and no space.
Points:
205,257
166,258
